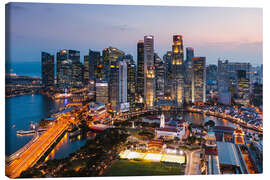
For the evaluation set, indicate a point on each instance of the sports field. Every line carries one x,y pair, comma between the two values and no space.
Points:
142,168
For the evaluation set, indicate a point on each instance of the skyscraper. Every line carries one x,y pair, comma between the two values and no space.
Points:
77,75
211,79
149,71
188,74
69,69
140,68
167,58
118,84
86,69
131,80
64,70
47,69
177,70
160,69
94,59
102,91
243,88
224,95
189,53
198,80
122,76
109,56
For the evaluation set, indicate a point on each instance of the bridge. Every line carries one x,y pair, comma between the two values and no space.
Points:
34,150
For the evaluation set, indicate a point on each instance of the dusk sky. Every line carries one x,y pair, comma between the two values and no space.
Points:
228,33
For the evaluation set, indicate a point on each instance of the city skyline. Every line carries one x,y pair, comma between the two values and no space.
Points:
235,40
132,103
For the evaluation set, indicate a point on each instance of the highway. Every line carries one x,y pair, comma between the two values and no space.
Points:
35,151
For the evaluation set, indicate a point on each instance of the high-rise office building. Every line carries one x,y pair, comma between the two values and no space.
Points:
47,61
177,70
243,88
198,80
228,77
189,53
160,68
64,70
69,69
109,56
211,79
140,69
118,84
131,80
224,95
123,95
94,60
167,58
149,71
223,76
188,74
102,91
86,69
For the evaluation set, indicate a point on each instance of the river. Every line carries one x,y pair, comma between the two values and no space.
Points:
21,110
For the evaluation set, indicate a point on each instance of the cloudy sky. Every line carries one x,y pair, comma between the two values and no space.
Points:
226,33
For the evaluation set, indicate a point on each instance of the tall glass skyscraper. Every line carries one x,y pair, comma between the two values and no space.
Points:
47,61
131,80
140,68
94,59
149,72
188,73
160,69
69,69
118,84
198,80
167,58
110,55
177,70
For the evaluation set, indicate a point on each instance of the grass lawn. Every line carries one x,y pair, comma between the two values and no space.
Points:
142,168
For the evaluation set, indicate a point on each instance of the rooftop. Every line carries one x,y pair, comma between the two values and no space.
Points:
227,153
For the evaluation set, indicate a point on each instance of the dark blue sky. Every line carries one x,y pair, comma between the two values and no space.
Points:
231,33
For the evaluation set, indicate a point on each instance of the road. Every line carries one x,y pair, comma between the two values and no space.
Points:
193,162
33,153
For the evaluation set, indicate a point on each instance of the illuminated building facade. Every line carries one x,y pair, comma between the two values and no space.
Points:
198,87
149,71
47,61
110,55
64,70
211,80
228,76
94,59
167,58
131,80
77,74
86,69
118,84
177,70
102,92
160,68
188,74
223,80
140,68
69,69
243,88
